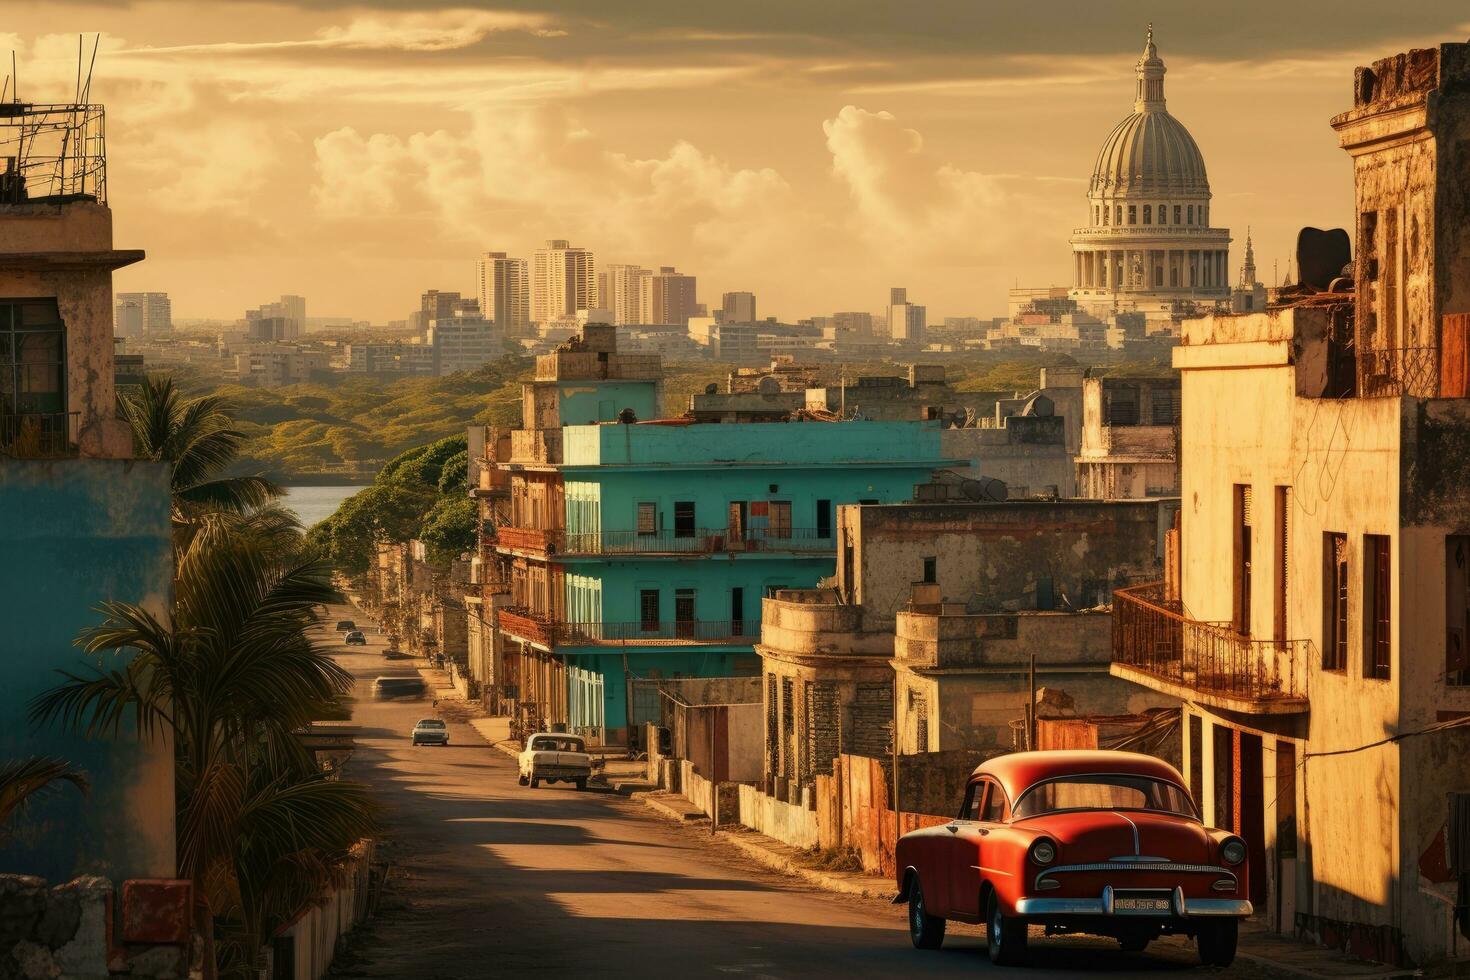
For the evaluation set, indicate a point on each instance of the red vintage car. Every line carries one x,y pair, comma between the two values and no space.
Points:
1107,843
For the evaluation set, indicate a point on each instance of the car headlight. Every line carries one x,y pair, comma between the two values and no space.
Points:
1043,852
1232,851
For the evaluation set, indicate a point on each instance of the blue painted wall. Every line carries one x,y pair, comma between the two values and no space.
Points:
72,534
583,402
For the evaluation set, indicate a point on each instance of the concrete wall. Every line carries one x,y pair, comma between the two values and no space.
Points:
753,443
996,557
1026,467
789,823
75,533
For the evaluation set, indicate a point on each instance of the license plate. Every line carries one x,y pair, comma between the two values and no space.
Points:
1141,905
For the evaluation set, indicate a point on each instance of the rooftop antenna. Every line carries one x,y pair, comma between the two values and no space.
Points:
87,88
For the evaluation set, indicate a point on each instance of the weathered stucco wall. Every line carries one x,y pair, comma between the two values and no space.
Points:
74,533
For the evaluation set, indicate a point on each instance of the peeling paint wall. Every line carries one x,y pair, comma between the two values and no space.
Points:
74,533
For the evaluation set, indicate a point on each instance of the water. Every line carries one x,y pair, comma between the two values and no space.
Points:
313,504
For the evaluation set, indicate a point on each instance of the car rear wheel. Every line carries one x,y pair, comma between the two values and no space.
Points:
582,783
1006,936
926,931
535,783
1217,942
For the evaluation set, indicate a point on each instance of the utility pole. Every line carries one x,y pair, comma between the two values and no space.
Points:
897,819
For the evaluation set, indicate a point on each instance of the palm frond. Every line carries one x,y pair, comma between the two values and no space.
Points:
22,779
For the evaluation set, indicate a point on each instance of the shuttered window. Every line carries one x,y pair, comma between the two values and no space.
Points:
647,520
1377,600
1283,562
1334,601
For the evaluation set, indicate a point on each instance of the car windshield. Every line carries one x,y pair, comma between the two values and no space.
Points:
431,723
1104,791
546,744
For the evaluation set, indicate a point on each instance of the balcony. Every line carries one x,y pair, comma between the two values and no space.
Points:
664,633
530,626
49,435
699,541
1156,645
544,541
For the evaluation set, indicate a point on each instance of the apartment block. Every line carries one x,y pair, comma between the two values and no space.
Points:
563,281
505,293
1315,623
138,314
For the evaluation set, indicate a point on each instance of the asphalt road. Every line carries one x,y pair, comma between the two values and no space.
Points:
491,879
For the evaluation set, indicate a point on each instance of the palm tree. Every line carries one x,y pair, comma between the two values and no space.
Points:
198,437
22,779
232,677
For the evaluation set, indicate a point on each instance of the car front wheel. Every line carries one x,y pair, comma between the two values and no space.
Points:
1006,936
522,779
582,783
1217,942
925,931
535,783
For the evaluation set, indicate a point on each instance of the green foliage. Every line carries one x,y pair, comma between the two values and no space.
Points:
24,779
360,421
387,511
455,476
449,528
424,466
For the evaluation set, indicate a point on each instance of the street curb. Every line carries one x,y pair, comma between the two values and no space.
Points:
843,884
657,802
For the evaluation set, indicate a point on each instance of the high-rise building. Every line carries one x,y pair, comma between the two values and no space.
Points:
439,304
289,309
462,343
505,293
138,313
905,319
667,297
563,281
737,308
620,290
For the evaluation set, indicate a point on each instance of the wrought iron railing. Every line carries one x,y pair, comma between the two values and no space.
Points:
528,538
540,629
44,435
698,541
527,625
1151,634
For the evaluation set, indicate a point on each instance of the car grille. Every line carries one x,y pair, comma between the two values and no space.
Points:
1113,867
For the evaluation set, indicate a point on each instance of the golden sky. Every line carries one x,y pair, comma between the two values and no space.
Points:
814,151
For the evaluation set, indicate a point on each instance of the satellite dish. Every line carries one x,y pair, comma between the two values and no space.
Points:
984,490
711,388
627,416
768,386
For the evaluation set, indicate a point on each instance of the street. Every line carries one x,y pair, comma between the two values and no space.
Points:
492,879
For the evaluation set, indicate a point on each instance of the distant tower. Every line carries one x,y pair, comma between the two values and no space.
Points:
1250,295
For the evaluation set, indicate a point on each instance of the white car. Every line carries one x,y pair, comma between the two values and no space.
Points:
555,757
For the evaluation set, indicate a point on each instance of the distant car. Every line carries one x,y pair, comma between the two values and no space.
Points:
1107,843
555,757
430,731
355,639
345,625
398,688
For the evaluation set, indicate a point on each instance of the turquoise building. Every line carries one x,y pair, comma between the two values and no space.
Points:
655,542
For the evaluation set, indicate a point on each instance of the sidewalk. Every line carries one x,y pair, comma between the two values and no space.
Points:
1281,954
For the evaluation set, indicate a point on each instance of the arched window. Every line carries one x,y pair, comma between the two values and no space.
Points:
1133,214
1178,214
1148,214
1163,214
1118,215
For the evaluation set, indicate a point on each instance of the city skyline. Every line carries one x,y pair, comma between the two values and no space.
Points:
361,154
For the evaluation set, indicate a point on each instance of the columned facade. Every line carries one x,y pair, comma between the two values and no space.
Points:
1148,244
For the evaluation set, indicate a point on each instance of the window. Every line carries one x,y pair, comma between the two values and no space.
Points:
737,611
32,367
1104,791
1178,211
1377,614
1133,214
974,799
1191,214
824,518
780,519
1096,217
647,520
683,518
1281,608
1106,213
1163,214
931,570
648,618
995,805
1334,601
1118,215
736,520
684,614
1457,608
1148,214
1243,522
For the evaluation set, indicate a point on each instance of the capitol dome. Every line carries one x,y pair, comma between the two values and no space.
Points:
1148,244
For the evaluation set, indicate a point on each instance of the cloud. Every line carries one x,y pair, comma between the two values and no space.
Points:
917,208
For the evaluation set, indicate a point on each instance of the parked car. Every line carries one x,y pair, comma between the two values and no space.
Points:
345,625
355,639
1107,843
398,688
555,757
430,731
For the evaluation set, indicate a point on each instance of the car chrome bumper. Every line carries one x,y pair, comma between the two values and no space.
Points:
1180,907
